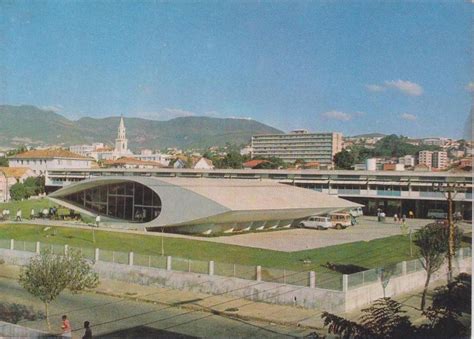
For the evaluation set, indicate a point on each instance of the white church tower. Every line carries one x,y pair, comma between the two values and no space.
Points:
121,143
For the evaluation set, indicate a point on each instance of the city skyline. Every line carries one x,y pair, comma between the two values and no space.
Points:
352,68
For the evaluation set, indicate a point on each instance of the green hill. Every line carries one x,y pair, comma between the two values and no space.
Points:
33,126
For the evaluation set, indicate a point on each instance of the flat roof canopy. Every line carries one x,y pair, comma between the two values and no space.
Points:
195,201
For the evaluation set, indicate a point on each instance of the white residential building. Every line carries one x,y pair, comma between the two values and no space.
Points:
203,163
440,160
299,144
40,161
10,176
407,161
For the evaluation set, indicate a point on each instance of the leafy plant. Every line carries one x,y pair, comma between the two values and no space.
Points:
433,240
47,275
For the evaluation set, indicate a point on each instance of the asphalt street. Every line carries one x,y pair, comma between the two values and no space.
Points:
112,317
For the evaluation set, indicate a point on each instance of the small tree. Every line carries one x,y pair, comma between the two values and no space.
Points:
48,274
18,191
432,241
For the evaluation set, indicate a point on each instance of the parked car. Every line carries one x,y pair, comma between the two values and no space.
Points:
317,222
356,212
436,214
340,220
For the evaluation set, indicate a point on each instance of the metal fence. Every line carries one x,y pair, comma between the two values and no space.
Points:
381,274
325,279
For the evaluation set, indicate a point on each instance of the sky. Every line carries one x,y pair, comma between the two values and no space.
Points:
352,67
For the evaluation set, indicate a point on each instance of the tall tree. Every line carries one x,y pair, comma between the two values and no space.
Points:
48,274
432,241
344,159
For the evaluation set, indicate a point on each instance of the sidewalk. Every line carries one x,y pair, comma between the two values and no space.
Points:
231,306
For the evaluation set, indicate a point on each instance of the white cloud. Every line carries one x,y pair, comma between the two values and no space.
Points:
337,115
406,87
375,88
470,87
408,116
53,108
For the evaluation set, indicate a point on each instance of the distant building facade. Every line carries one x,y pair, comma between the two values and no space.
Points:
40,161
407,161
9,176
435,160
299,144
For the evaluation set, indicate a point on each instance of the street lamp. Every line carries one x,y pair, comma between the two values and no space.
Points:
449,190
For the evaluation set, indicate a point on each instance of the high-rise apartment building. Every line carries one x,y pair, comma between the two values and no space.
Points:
440,160
437,159
299,144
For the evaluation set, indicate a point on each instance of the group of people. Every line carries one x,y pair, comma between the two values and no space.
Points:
67,329
6,215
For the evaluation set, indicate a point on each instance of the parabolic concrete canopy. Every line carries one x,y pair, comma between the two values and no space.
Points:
196,205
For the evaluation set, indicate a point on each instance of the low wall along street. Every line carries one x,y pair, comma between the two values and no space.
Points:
249,282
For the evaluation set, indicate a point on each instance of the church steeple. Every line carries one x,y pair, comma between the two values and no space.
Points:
121,143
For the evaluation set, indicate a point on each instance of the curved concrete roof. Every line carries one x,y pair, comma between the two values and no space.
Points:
192,201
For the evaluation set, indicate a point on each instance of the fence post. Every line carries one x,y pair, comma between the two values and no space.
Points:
66,248
258,273
168,263
96,255
312,279
37,249
404,268
345,282
130,258
12,244
211,267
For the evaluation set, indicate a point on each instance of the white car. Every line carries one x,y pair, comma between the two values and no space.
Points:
356,212
317,222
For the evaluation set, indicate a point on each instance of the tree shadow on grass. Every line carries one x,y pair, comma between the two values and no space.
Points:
14,313
144,332
344,268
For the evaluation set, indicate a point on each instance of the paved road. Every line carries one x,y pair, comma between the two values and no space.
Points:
118,318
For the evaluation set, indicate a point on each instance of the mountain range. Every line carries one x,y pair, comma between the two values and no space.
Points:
30,125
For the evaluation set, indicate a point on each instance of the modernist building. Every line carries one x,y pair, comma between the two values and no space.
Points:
393,191
299,144
196,205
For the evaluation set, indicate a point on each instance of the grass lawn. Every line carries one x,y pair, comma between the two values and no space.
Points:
370,254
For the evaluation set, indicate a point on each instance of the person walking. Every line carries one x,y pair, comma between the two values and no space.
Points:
32,214
88,332
97,220
395,218
66,327
18,215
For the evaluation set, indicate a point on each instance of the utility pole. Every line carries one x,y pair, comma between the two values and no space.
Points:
450,190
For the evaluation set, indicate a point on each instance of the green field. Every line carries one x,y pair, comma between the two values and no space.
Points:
369,254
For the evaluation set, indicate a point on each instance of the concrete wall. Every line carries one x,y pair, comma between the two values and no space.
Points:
307,297
362,296
8,330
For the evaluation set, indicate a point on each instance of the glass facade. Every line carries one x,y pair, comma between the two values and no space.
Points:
129,201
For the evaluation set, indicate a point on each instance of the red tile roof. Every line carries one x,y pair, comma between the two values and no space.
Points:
48,154
131,161
254,163
14,172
